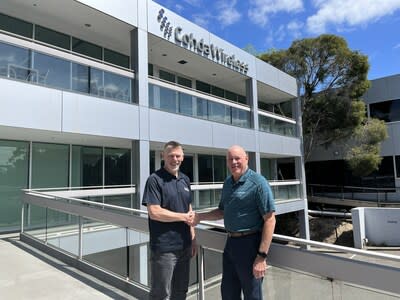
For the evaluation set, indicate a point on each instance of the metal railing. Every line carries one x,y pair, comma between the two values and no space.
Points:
94,225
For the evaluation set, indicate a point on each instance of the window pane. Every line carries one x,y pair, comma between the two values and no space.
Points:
203,87
50,165
398,166
205,168
14,164
16,26
240,117
14,61
230,96
87,166
217,91
220,168
96,82
52,71
150,70
202,108
80,78
219,112
185,104
116,58
381,110
117,87
52,37
242,99
185,82
168,100
86,48
117,166
266,168
167,76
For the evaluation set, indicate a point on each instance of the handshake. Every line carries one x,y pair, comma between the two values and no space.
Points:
192,218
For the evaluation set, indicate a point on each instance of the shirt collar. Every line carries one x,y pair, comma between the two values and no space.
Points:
242,178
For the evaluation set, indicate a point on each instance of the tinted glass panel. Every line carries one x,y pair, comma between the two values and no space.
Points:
116,58
117,87
185,82
217,91
52,37
230,96
242,99
240,117
117,166
14,62
203,87
220,168
167,76
86,48
16,26
150,70
185,104
205,168
14,164
398,166
219,112
87,166
50,165
389,111
52,71
80,78
202,108
168,100
266,168
96,82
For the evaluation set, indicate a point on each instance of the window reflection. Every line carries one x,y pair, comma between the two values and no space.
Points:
116,87
96,82
80,78
52,71
14,61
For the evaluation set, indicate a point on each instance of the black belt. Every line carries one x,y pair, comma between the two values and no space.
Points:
242,233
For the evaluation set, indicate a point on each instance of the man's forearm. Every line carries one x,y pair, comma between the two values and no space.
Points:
268,232
213,215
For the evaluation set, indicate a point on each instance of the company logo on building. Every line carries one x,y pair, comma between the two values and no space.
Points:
211,51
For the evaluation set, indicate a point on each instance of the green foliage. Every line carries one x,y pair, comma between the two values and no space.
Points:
332,79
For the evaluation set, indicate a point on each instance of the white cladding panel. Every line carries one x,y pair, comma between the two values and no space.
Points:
277,144
29,106
96,116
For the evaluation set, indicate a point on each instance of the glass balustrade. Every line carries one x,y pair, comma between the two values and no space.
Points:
277,126
31,66
174,101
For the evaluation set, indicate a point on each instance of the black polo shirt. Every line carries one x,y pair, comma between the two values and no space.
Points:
172,193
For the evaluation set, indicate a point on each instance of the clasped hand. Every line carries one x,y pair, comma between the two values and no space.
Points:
192,218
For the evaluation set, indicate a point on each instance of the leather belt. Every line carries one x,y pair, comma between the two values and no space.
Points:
242,233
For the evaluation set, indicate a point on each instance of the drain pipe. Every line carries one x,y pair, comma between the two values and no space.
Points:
329,213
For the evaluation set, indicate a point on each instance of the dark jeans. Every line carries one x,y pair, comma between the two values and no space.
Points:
169,274
237,275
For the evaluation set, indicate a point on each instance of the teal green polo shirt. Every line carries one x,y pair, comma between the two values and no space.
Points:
246,201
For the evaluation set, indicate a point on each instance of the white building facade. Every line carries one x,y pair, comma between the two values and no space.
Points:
91,90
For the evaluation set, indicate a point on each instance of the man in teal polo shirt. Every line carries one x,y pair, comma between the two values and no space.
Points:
248,209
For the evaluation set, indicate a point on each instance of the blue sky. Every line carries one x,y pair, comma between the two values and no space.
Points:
369,26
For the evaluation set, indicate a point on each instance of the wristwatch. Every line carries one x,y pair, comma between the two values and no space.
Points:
262,254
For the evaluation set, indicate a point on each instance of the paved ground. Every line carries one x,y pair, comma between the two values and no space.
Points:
26,273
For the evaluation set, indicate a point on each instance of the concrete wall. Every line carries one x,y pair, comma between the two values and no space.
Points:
376,226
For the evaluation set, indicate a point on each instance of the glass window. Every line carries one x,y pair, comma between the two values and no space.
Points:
185,82
284,109
87,166
242,99
52,37
203,87
397,166
217,91
266,168
117,87
389,111
16,26
151,69
220,168
219,112
14,62
240,117
202,108
52,71
205,168
265,106
116,58
117,166
168,99
80,78
14,165
185,104
167,76
86,48
286,168
230,96
96,82
50,165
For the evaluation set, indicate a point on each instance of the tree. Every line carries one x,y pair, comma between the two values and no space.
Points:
332,79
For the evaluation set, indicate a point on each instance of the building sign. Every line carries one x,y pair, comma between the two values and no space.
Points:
189,41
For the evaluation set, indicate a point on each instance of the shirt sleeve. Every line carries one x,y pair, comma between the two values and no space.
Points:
152,192
265,198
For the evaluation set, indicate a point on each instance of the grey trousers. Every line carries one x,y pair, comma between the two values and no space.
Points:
169,274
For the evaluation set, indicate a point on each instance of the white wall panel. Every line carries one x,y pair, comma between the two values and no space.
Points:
29,106
96,116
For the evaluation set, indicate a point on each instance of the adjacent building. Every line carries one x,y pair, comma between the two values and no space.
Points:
91,90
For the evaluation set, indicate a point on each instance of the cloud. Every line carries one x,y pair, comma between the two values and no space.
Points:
295,29
396,46
228,14
260,10
202,19
349,13
195,3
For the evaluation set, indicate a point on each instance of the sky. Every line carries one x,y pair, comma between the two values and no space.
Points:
369,26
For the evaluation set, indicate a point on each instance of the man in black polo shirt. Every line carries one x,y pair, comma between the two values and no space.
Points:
168,198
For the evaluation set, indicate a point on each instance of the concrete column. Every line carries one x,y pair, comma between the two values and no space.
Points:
252,101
